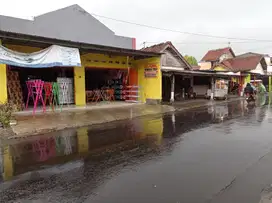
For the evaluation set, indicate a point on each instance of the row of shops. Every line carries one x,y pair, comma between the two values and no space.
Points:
53,69
113,74
116,75
219,74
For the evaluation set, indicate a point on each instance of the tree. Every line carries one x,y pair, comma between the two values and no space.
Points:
191,60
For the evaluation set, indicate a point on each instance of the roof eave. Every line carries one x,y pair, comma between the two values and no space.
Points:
83,46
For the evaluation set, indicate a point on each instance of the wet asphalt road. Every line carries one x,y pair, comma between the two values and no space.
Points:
218,154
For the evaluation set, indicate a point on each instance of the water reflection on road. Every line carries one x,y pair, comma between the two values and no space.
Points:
183,157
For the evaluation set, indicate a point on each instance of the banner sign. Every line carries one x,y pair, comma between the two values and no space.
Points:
151,71
52,56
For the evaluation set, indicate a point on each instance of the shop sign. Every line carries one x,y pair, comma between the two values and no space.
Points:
52,56
151,71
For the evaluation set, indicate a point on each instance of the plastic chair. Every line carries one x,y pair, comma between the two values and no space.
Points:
30,93
97,95
48,96
64,93
111,94
35,88
55,99
89,95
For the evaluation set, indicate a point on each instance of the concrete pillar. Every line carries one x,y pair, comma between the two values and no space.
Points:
270,83
212,87
79,83
172,99
3,82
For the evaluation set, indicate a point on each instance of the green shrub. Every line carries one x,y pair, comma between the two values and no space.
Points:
6,111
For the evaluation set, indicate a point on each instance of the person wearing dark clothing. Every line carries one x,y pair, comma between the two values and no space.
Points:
249,89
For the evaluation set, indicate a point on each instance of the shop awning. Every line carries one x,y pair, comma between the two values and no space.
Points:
196,72
50,57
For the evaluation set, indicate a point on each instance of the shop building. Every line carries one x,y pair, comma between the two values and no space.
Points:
106,61
182,81
243,68
174,68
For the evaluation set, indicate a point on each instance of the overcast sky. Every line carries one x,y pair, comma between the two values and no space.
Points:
232,18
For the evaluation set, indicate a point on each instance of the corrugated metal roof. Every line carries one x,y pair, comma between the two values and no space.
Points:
71,23
44,42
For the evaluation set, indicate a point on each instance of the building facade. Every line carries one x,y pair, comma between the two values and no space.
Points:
100,49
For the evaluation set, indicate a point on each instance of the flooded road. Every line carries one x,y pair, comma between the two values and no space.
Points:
217,154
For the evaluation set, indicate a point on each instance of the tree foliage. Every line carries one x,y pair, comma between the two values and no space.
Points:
191,60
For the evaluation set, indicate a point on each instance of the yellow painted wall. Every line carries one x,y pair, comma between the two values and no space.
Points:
247,78
79,83
150,88
219,68
104,61
7,164
3,82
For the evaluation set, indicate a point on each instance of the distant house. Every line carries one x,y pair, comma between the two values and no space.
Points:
171,58
213,57
253,64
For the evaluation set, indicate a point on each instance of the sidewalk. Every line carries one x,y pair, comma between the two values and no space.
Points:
28,125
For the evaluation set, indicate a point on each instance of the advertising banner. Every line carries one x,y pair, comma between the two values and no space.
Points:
52,56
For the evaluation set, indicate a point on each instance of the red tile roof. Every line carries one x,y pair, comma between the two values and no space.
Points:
157,47
242,63
214,55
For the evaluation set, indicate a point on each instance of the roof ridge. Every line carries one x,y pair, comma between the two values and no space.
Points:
155,45
220,49
59,9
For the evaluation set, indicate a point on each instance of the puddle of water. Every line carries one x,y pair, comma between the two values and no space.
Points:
34,153
105,150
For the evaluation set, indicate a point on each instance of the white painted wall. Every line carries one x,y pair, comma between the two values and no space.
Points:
268,60
225,56
205,65
258,69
